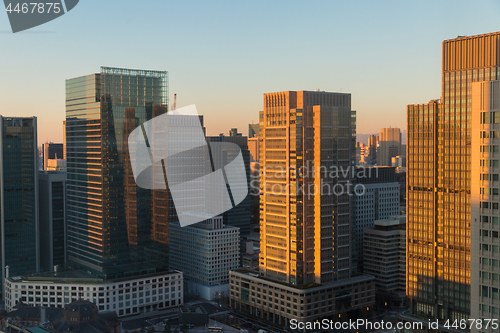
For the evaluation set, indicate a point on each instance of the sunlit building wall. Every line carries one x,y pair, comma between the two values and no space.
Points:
305,236
439,182
485,198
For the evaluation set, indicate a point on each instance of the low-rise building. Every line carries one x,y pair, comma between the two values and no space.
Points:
124,296
280,302
385,258
77,317
205,252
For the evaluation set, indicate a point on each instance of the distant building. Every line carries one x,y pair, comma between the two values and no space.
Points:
253,130
398,161
52,187
56,165
384,258
372,149
124,296
205,252
19,248
389,145
379,200
79,316
234,132
51,151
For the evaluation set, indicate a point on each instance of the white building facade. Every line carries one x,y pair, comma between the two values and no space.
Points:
205,252
124,296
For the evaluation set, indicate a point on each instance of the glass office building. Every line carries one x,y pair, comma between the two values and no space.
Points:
18,196
439,182
115,229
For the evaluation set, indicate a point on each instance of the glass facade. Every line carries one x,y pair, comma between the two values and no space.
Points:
115,229
439,182
19,201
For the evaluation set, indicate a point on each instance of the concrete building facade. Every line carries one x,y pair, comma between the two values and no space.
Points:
378,200
124,296
205,252
384,256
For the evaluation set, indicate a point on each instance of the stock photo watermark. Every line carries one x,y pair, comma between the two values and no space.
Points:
24,15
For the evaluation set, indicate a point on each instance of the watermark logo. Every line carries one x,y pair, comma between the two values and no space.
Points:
205,180
25,15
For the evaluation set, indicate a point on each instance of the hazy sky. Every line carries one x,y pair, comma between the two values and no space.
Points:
223,55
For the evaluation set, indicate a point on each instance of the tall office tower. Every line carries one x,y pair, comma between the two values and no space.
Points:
19,196
52,196
205,252
64,139
305,236
485,194
253,130
238,216
115,228
51,151
305,211
439,182
384,253
378,199
372,149
389,145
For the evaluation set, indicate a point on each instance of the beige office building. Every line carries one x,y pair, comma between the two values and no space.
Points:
305,211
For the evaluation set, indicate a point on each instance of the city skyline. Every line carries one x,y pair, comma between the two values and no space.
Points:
364,51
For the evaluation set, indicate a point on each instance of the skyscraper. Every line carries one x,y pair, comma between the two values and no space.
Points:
389,145
115,229
372,148
485,194
300,230
19,196
305,211
439,182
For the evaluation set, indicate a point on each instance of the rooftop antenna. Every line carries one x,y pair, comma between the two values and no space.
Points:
175,102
